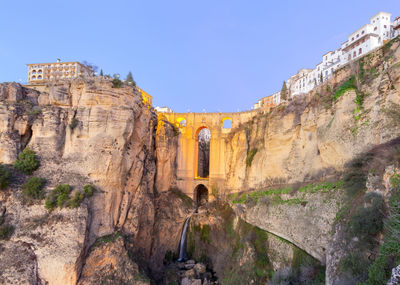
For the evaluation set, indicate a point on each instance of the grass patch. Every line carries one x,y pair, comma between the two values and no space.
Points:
106,239
349,84
321,187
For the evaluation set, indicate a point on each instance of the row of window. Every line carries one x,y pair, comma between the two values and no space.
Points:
53,65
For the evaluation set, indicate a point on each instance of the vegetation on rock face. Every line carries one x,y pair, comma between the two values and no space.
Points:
74,123
89,190
389,252
6,231
185,199
58,196
33,188
275,193
364,218
27,161
345,86
106,239
116,82
76,201
5,175
250,156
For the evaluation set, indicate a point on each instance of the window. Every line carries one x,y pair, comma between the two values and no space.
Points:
354,54
375,28
384,26
362,32
358,35
360,51
352,39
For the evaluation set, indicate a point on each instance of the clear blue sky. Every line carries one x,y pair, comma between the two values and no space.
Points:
217,55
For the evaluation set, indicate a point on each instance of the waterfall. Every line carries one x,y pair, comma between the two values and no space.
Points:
182,249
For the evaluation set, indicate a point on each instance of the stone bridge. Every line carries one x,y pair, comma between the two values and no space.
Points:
190,124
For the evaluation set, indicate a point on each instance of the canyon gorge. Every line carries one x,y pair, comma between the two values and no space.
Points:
307,192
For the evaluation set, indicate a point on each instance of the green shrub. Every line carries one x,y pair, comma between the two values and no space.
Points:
58,196
116,82
349,84
76,201
33,188
89,190
6,231
27,161
5,175
367,222
389,251
356,265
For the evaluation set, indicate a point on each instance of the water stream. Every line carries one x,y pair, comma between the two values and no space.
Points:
182,249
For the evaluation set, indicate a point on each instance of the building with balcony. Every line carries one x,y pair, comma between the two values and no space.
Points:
39,73
364,40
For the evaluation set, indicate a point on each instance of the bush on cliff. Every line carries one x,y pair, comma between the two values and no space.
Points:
6,231
76,201
33,188
58,197
27,161
89,190
5,175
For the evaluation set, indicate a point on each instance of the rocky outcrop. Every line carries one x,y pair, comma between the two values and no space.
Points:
83,132
108,263
303,218
166,145
313,135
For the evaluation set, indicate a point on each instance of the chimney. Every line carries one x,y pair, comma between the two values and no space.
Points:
58,60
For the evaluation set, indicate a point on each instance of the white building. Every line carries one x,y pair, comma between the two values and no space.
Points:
369,37
163,109
364,40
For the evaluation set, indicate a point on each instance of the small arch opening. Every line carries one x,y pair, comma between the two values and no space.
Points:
203,153
181,122
201,195
227,123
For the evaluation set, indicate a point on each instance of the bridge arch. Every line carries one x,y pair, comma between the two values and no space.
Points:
181,122
226,123
202,152
200,195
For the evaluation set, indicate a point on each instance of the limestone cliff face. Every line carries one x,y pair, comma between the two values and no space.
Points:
83,132
311,136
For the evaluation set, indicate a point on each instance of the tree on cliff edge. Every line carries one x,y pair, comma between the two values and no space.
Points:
130,80
284,91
